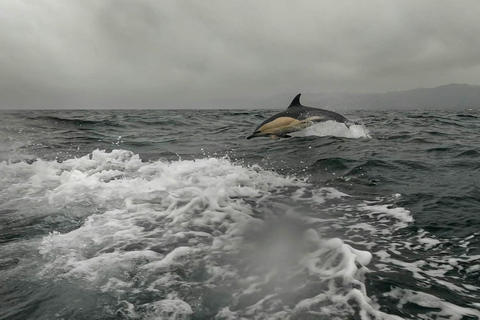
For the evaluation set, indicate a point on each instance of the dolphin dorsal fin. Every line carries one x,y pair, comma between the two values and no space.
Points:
296,101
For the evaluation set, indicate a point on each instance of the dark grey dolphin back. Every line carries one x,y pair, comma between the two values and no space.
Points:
300,112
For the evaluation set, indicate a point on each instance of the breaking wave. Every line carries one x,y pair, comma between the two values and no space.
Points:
200,239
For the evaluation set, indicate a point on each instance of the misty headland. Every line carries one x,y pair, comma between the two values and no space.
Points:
447,97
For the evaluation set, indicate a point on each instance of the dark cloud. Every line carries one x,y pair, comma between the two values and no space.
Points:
145,53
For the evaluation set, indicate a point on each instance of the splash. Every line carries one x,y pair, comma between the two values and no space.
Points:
336,129
204,237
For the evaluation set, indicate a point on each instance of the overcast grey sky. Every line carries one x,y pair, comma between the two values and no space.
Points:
167,54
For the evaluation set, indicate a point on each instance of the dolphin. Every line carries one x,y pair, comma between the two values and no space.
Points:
297,117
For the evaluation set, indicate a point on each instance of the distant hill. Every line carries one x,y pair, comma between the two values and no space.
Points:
452,96
447,97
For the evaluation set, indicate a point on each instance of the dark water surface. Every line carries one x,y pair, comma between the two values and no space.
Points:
165,214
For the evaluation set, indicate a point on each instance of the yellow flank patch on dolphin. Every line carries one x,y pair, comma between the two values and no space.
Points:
278,123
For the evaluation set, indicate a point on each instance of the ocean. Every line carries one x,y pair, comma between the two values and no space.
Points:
173,214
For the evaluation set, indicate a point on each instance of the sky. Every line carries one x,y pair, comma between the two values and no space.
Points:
218,53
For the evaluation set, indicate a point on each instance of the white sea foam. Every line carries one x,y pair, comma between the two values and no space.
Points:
143,221
381,211
437,308
333,128
174,230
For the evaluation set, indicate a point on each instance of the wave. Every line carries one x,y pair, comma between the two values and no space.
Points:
159,226
80,121
204,238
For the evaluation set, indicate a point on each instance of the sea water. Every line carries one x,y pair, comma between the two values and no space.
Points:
164,214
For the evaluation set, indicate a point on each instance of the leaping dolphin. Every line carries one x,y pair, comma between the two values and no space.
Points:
295,118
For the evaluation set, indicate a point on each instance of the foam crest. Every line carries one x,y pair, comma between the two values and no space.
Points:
203,196
182,231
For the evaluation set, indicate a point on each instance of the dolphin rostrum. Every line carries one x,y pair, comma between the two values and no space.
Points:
295,118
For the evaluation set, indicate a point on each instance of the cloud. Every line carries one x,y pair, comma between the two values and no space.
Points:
146,53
